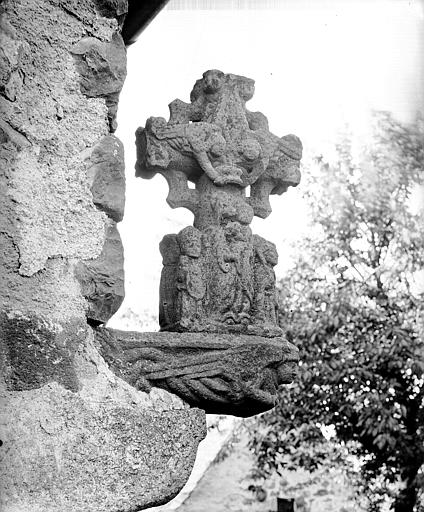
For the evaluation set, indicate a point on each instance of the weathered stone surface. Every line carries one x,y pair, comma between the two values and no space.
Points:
218,280
106,171
36,351
222,374
91,456
46,194
116,9
75,436
102,279
11,140
52,293
218,276
11,49
96,17
102,67
217,137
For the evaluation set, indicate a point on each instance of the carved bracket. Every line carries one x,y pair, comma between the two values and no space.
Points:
222,374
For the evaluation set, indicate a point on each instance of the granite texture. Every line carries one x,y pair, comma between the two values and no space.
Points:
221,347
102,280
75,436
106,171
102,69
220,373
218,276
47,206
36,351
91,456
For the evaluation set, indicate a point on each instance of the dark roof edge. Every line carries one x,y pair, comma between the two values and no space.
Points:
140,14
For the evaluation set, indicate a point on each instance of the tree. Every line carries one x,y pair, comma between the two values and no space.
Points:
352,306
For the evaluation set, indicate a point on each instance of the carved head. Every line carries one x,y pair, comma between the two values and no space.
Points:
212,81
284,167
270,253
234,208
245,87
292,146
190,241
215,81
237,232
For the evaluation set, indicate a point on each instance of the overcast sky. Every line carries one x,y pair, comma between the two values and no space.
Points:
316,64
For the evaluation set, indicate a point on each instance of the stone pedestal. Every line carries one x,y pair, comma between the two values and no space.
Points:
219,279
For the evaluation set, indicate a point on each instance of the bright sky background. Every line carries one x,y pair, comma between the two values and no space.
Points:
317,65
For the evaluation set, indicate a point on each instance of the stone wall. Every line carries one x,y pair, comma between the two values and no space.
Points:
73,436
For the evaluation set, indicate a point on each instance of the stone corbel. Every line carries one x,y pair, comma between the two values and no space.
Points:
222,374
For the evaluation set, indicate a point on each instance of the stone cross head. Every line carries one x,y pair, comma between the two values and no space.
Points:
221,147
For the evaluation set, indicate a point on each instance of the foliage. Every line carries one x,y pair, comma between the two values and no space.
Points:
128,319
352,305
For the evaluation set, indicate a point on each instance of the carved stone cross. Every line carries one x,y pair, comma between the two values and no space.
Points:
221,347
217,276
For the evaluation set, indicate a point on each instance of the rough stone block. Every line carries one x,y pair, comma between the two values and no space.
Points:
48,124
36,351
11,50
106,171
102,69
113,9
61,453
102,279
